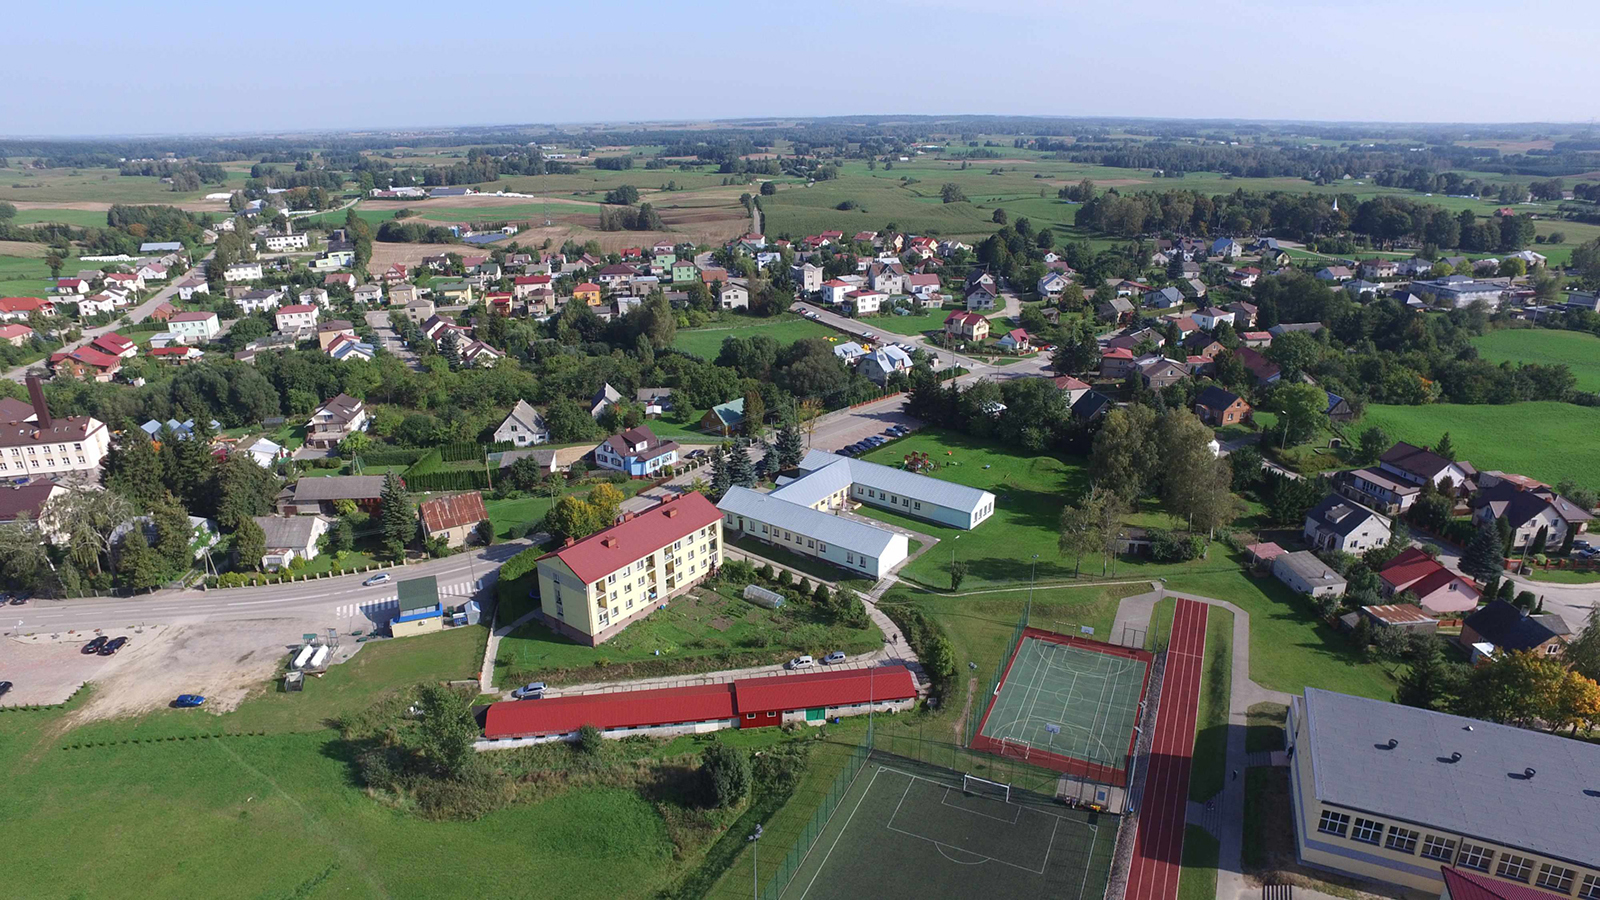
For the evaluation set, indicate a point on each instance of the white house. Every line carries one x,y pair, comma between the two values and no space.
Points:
734,296
864,303
259,301
314,297
1345,525
368,293
192,285
277,243
290,538
834,289
294,318
95,304
1210,317
243,271
194,327
523,427
883,362
807,277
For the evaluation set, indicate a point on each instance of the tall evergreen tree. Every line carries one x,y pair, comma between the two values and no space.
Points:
1481,558
1444,448
789,449
174,535
1582,653
1423,686
398,517
755,413
134,469
742,469
138,569
721,477
249,545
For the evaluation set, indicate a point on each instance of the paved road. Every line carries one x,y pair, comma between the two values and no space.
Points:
343,600
389,339
138,314
1571,601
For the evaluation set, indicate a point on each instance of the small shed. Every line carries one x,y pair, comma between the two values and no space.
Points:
420,610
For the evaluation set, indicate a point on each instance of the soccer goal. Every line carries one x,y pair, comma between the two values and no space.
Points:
972,785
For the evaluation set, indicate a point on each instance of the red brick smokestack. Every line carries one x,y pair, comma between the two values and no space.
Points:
40,408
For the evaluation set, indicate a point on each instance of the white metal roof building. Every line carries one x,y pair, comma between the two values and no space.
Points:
810,532
907,493
1390,792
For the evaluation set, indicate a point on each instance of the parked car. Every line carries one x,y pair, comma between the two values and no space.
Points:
94,646
189,701
5,688
531,691
800,662
17,600
379,578
836,656
113,645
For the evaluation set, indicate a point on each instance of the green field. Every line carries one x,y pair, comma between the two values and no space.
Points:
91,185
1201,853
916,323
1576,350
82,218
22,276
707,342
1216,692
1546,440
179,803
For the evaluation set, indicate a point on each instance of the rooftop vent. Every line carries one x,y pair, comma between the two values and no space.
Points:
1528,772
1456,756
1393,743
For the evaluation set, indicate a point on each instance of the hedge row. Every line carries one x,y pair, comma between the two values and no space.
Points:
176,737
449,480
521,564
392,457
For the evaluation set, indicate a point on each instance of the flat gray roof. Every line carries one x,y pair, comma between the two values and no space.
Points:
845,533
897,481
1486,794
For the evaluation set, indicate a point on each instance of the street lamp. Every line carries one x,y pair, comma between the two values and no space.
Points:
953,552
1033,568
754,837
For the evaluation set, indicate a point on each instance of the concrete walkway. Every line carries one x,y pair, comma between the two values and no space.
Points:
486,673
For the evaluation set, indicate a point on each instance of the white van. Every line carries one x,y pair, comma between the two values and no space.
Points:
800,662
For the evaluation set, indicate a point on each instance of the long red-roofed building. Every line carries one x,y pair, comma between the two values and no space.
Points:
592,589
746,703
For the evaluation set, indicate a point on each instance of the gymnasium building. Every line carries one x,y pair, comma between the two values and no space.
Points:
1393,793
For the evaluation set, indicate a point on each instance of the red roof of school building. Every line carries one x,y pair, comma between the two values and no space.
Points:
602,553
623,709
832,688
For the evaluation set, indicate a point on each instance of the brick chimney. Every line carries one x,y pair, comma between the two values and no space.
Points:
40,408
610,543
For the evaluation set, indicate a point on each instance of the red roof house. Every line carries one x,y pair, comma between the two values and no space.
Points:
1437,588
114,344
600,554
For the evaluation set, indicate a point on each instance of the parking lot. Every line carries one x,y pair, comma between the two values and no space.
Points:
50,671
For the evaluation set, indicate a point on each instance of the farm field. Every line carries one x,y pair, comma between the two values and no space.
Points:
96,186
707,342
1576,350
81,218
29,276
1546,440
203,805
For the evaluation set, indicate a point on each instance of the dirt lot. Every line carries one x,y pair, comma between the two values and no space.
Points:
96,206
223,661
384,254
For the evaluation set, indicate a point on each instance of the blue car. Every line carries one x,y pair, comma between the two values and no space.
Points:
188,701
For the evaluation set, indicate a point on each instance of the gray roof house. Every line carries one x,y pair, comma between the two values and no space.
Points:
1304,573
603,399
1345,525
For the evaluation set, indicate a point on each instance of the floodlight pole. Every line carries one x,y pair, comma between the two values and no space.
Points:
754,837
1033,568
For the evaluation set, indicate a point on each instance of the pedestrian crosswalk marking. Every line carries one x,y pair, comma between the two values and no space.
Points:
386,608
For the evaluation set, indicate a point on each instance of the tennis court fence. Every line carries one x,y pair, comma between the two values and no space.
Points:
973,721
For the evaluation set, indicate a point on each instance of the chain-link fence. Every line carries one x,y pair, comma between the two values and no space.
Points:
806,835
982,700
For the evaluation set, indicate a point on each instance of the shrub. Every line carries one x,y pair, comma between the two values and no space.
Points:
765,572
726,771
1167,547
784,579
589,740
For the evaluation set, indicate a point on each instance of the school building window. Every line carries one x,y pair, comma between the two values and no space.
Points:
1591,888
1366,831
1402,841
1555,878
1514,867
1475,857
1435,847
1333,823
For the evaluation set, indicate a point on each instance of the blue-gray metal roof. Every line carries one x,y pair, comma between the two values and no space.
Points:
1486,794
847,534
899,482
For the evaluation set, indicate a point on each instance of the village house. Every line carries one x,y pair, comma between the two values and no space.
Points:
452,519
1219,408
1500,627
1017,341
371,294
1346,526
1530,510
332,330
734,296
334,421
967,326
16,334
636,452
85,363
1210,317
1436,588
243,271
194,327
864,303
1158,372
882,363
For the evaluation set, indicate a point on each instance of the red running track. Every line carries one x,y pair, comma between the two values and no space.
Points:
1158,846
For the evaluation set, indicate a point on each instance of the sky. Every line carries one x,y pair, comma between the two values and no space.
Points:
87,67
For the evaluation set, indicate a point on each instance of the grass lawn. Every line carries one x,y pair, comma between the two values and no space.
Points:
27,276
1198,881
916,323
506,513
204,805
1290,647
1546,440
1028,492
707,342
702,630
1211,729
1576,350
1263,728
806,565
1563,576
1268,819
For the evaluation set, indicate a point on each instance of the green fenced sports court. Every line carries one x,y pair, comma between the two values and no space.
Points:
909,830
1067,704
